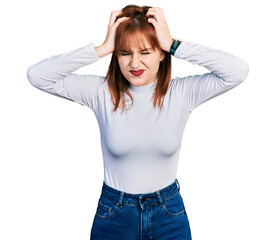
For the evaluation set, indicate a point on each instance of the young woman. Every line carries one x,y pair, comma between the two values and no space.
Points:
140,196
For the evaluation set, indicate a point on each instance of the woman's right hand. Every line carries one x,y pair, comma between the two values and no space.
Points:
108,46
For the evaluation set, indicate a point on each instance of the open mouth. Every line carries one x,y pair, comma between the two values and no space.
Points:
137,73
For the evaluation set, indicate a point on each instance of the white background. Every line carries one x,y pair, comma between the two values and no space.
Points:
51,168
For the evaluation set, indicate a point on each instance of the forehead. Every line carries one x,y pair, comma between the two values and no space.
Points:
135,41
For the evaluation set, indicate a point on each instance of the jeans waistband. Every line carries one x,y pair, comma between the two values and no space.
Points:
122,197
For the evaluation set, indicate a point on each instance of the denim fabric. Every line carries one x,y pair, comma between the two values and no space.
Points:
123,216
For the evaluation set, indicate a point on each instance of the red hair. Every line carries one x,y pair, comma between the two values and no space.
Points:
135,31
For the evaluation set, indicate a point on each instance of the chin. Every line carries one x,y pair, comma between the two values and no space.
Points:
137,81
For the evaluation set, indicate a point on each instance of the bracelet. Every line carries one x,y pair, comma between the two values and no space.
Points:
174,46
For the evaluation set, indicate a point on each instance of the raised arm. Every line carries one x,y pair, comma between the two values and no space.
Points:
227,71
55,75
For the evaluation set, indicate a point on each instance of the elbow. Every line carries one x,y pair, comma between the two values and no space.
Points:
238,72
32,76
243,71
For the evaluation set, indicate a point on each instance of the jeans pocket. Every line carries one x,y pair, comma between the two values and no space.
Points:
106,208
173,206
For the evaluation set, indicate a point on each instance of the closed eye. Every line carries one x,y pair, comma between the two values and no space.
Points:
125,54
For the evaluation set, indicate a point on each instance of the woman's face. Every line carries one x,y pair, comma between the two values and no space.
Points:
144,61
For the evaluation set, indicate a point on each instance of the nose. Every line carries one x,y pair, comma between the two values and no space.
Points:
135,61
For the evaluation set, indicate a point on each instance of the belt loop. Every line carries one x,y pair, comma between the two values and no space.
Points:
121,199
159,197
178,185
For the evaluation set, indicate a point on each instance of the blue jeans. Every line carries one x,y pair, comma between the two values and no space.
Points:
158,215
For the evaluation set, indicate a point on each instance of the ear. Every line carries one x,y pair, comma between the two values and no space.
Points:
162,56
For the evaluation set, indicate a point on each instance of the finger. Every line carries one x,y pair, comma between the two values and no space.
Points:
156,14
156,9
121,20
153,21
113,16
162,12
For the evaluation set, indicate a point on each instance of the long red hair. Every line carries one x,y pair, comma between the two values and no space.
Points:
133,32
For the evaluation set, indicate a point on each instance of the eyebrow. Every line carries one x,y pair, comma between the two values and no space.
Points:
146,49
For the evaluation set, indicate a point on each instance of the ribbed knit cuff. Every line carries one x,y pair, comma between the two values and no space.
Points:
94,54
181,49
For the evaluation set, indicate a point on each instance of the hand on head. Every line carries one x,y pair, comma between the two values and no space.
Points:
161,27
155,16
112,26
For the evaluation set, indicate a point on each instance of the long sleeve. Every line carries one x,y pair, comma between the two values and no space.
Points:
227,71
54,75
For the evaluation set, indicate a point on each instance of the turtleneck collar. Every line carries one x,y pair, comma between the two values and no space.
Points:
149,88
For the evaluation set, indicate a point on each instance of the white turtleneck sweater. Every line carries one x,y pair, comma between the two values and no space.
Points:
141,146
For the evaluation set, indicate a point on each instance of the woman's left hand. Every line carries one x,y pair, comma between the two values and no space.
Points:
161,27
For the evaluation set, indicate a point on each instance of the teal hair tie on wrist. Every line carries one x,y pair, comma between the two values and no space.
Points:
174,46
